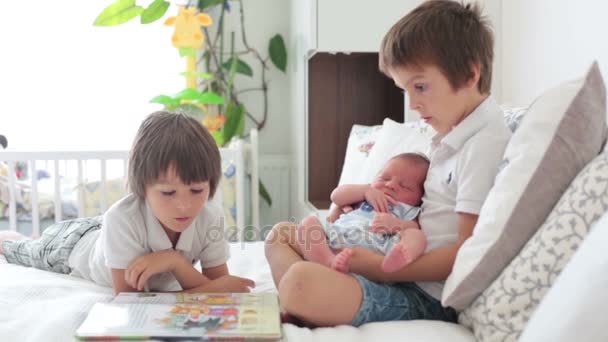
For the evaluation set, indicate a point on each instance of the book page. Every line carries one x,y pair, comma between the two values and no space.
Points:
136,315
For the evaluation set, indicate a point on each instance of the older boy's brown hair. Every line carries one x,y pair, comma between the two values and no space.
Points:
450,35
168,139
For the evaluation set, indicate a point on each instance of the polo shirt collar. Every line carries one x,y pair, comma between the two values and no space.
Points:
158,239
472,124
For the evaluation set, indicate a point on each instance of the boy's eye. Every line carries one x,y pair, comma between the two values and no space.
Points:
420,87
197,191
168,193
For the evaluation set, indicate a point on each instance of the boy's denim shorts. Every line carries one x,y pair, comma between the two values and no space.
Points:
398,301
52,250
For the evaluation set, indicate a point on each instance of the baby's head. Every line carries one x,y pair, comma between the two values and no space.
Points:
402,178
175,166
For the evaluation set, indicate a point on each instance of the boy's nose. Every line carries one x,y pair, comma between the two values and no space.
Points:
182,204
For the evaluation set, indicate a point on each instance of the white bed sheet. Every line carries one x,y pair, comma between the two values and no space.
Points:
43,306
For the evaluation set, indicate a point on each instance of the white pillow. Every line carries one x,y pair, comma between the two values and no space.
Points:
563,130
360,143
395,138
574,308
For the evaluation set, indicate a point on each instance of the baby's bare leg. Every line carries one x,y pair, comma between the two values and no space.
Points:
411,246
10,235
313,243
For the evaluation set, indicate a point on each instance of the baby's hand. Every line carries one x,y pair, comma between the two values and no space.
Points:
145,266
378,199
385,223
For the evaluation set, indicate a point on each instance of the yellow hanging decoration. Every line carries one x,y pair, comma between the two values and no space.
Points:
188,35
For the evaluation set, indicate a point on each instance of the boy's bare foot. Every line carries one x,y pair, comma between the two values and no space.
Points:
313,243
10,235
341,261
396,259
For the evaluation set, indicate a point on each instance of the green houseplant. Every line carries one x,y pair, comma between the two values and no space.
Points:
211,94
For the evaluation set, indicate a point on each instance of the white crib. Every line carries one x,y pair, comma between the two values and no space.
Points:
241,154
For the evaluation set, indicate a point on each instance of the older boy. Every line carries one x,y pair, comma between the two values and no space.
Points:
441,55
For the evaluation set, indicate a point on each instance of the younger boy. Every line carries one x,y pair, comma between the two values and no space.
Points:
383,219
153,236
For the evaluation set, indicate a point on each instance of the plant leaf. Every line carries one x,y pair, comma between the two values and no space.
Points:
187,94
187,52
202,75
202,4
278,52
240,129
234,116
155,11
190,110
241,67
165,100
264,194
218,137
118,13
210,98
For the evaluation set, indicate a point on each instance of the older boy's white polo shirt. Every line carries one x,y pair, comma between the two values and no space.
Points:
130,229
464,163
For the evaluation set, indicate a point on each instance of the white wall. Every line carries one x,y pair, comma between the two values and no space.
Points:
264,19
546,42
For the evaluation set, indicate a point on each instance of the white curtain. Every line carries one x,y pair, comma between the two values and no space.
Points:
65,84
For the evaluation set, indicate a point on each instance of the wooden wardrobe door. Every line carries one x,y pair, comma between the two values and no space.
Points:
344,89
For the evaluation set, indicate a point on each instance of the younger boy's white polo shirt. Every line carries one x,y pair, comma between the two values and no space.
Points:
130,230
464,163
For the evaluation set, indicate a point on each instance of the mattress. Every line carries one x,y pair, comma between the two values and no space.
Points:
42,306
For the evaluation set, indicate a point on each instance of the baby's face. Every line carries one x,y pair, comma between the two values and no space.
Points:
403,180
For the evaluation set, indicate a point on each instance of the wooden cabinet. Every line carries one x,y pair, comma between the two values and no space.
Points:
336,83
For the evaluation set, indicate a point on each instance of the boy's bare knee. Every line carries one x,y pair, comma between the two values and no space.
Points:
294,288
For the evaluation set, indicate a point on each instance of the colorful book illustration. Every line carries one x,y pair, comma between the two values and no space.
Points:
203,316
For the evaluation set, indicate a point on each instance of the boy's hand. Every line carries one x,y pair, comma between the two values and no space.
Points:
227,283
378,199
335,213
384,223
142,268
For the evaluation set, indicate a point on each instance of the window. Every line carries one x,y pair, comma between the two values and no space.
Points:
65,84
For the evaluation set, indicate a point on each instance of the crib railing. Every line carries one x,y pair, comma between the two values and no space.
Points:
244,154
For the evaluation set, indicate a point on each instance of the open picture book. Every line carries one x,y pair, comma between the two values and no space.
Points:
204,316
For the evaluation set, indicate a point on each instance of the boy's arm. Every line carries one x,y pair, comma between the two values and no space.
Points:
119,283
385,223
216,272
433,266
348,194
169,260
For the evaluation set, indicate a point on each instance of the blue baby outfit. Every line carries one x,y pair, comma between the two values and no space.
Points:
352,229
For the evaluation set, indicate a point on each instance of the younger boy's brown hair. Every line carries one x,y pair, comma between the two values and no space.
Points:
168,139
450,35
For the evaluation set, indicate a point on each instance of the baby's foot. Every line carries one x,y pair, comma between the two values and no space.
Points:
341,261
313,243
396,259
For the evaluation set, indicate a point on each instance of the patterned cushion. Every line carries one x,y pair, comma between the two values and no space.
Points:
501,312
360,142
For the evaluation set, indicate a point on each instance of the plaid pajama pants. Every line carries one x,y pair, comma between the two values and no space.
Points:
52,250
